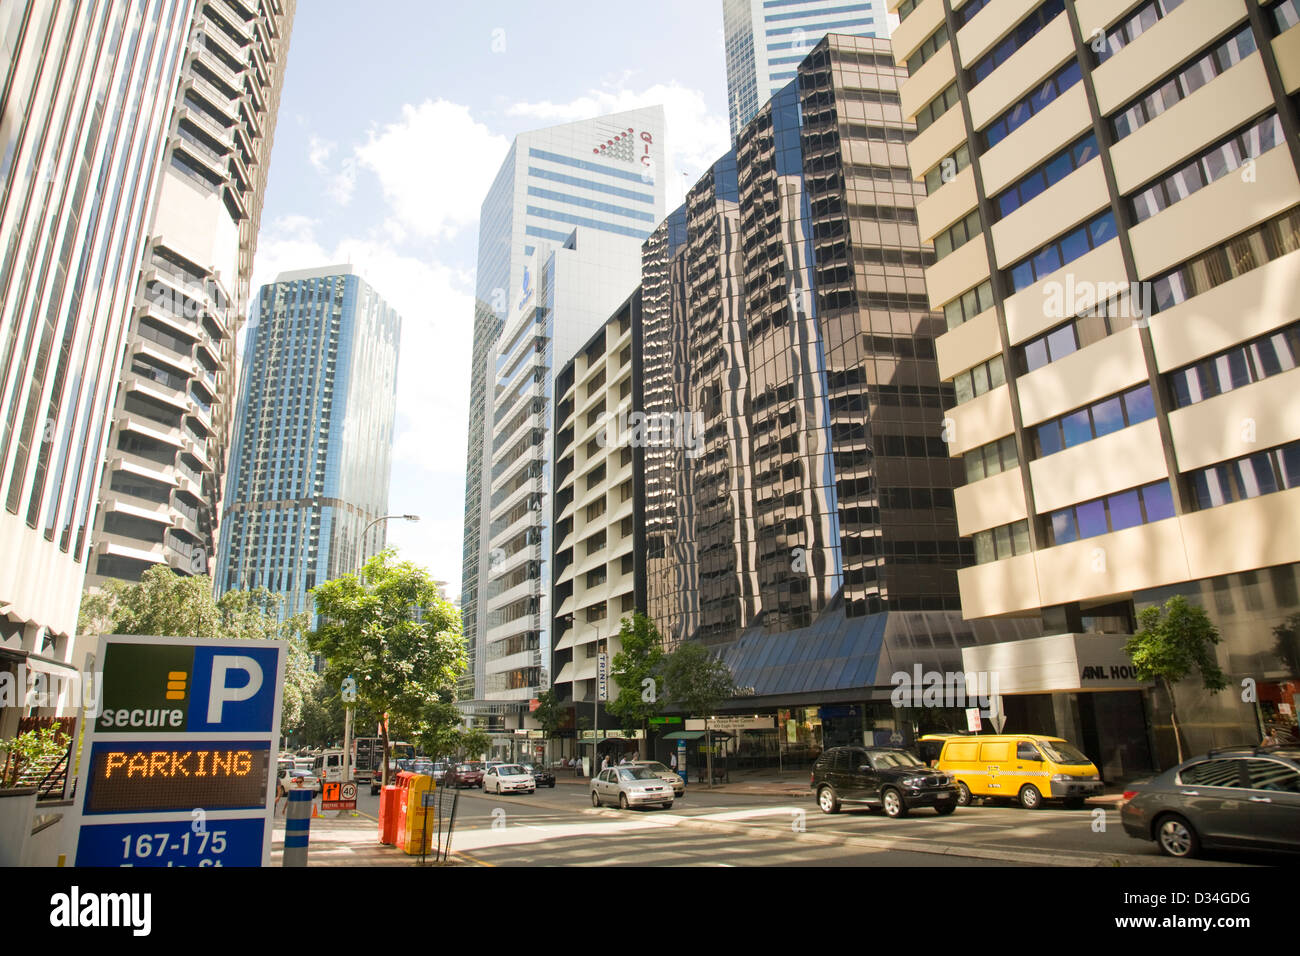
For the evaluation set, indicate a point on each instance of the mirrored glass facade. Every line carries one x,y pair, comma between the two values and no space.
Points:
312,455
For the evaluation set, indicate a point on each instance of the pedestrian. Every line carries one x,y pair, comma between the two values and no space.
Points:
623,760
604,763
672,760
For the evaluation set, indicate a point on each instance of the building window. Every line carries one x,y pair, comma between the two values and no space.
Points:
596,543
947,169
932,44
970,304
1004,542
1025,30
1259,474
625,526
627,603
1240,365
1126,509
980,379
1092,326
1213,164
1239,255
596,612
625,490
1046,176
1134,25
957,235
932,110
1032,104
1182,84
597,577
1094,421
991,459
626,564
1285,15
1062,251
595,509
968,10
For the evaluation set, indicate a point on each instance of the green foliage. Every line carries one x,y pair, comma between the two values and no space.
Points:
166,604
472,743
1171,642
392,632
640,660
439,731
697,682
549,712
27,748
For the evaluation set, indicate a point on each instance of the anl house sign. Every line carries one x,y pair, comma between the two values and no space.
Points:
176,767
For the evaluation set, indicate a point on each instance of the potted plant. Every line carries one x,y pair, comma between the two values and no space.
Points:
18,804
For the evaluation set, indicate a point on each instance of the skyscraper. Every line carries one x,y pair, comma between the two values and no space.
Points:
805,529
766,40
160,495
86,92
605,174
1114,198
310,463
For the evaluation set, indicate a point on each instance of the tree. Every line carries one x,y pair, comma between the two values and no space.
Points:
472,742
166,604
697,682
392,632
439,729
1169,644
549,713
637,669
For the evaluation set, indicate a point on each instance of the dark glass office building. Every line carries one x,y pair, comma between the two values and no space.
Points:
812,539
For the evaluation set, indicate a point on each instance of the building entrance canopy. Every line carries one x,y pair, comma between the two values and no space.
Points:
1055,664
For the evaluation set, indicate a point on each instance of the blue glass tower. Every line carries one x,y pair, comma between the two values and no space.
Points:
312,454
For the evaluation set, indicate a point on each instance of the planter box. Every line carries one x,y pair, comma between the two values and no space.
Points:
17,809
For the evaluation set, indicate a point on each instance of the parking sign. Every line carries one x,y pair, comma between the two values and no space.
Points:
178,760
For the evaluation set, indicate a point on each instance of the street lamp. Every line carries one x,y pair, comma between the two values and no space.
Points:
347,723
362,538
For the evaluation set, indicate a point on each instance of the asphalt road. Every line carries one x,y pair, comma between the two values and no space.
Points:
559,826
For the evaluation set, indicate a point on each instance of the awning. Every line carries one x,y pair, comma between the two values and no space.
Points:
693,735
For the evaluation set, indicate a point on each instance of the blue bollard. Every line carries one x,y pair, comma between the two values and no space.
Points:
297,826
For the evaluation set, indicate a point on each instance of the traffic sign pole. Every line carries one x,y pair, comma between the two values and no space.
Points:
297,827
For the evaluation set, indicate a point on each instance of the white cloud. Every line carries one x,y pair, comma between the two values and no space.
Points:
435,165
694,137
340,185
436,305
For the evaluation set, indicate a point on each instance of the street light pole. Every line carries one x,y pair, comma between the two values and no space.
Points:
361,540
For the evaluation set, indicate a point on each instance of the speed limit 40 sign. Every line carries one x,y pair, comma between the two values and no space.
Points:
339,796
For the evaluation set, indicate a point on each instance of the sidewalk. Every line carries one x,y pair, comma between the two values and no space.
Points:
348,841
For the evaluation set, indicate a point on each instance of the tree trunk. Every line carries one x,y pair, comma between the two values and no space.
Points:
1173,717
383,734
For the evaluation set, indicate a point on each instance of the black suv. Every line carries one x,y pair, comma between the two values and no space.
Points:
880,777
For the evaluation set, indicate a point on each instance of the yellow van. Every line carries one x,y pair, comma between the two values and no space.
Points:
1025,767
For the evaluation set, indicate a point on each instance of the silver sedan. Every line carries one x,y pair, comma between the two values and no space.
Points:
630,787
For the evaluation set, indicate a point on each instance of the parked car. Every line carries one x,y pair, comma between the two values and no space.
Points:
890,778
1029,768
667,774
508,778
630,787
463,775
295,778
1233,798
541,776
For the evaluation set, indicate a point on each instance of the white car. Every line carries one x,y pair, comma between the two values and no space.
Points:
664,773
508,778
631,787
296,778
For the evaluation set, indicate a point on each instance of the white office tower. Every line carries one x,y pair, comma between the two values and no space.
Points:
767,39
162,487
568,294
86,91
604,176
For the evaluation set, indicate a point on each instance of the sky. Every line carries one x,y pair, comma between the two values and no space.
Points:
391,126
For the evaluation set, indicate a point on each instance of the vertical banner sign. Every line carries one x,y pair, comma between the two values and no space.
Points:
178,761
602,677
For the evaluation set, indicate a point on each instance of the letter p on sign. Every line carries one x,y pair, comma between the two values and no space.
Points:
219,692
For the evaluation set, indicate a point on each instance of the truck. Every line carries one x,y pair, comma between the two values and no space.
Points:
368,758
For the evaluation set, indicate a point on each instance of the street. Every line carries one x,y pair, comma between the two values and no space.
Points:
560,827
